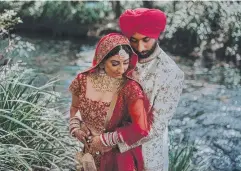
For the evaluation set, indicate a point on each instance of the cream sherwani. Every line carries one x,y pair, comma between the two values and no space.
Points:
162,80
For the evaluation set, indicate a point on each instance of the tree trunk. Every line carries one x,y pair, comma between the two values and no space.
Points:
116,6
148,4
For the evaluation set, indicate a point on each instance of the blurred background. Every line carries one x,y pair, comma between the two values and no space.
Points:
43,44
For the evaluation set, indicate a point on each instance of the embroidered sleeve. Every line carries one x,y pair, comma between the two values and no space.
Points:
166,101
133,92
164,104
138,114
74,87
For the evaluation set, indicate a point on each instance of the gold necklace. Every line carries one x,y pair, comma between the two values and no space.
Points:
105,83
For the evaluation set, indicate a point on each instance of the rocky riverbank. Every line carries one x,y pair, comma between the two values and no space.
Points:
209,116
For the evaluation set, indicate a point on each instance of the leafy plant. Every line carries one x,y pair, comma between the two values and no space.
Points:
12,45
180,158
180,154
195,27
33,132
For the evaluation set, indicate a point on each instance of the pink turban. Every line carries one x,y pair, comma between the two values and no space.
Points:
149,22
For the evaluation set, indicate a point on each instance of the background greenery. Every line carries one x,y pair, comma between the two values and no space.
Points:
204,30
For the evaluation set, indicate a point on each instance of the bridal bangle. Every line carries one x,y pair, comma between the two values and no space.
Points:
111,138
74,124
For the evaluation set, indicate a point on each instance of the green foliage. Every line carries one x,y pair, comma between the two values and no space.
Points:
200,25
61,12
8,19
12,45
33,132
180,158
180,154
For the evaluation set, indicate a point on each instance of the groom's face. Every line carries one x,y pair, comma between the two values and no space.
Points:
143,45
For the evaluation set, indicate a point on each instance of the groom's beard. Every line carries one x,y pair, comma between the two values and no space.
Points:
147,53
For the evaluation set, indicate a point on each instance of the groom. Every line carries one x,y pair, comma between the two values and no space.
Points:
160,77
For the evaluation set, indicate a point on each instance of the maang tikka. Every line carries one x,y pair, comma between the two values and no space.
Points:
122,53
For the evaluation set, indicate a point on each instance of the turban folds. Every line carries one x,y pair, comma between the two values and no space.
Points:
149,22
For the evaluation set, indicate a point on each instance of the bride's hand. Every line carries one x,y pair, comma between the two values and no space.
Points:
96,145
80,135
83,133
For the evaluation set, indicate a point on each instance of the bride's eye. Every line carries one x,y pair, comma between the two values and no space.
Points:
115,63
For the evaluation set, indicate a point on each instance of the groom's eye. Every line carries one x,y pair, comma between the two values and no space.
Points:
133,40
146,39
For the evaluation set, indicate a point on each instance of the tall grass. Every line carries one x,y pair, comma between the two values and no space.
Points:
180,153
33,133
180,158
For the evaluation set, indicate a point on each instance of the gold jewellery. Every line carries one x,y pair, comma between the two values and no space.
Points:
122,53
105,83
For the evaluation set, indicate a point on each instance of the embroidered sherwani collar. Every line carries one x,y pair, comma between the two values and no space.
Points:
156,53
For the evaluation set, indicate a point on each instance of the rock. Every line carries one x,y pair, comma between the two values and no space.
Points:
224,144
222,163
238,162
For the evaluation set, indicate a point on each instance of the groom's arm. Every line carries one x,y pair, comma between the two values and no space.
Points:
164,105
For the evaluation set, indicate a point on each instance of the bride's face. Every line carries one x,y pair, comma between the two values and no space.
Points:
116,66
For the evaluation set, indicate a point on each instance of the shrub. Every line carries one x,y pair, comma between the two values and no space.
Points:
201,26
33,132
